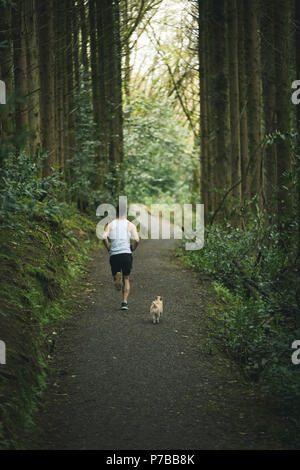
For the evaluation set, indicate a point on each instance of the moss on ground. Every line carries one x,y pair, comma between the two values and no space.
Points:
38,264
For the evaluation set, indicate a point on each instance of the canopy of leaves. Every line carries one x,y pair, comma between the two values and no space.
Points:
158,164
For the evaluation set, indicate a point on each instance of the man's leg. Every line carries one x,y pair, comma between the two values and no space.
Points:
116,271
126,268
126,288
118,280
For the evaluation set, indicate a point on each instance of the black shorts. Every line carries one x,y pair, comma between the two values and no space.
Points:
121,262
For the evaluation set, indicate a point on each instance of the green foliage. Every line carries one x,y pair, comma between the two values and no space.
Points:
84,165
256,313
158,166
92,179
37,271
10,140
23,191
44,244
5,3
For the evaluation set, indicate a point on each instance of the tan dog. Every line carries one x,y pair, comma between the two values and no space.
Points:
156,308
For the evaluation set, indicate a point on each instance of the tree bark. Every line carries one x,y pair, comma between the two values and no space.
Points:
46,68
269,100
33,77
93,59
254,99
283,105
203,104
243,84
6,69
218,74
84,42
20,66
110,87
75,45
70,83
234,99
297,41
60,122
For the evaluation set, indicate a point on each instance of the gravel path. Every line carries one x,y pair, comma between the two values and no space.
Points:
123,383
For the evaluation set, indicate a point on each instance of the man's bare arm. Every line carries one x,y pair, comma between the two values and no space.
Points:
105,237
135,236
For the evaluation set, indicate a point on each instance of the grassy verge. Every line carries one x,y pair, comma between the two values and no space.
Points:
253,318
40,259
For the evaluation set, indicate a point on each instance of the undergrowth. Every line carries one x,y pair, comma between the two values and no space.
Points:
45,243
255,317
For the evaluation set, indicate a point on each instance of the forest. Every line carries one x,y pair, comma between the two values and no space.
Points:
164,101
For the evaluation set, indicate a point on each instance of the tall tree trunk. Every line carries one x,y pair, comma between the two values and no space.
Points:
243,85
46,67
234,98
269,100
69,106
6,68
203,104
6,65
94,61
219,99
33,77
127,69
254,99
111,81
297,18
75,45
84,42
283,104
212,175
20,66
60,121
103,80
110,86
118,100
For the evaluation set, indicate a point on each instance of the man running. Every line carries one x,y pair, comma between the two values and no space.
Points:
119,232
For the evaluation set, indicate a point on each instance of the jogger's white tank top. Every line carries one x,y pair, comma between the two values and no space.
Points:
120,237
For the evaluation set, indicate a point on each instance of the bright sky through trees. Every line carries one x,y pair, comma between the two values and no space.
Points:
164,27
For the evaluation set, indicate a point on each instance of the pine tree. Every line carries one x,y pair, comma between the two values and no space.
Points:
233,74
254,99
46,69
283,104
20,66
269,98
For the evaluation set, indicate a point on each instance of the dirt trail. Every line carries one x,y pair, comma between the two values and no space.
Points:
124,383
